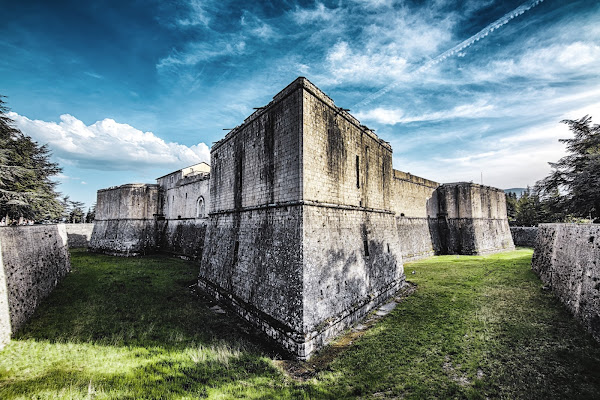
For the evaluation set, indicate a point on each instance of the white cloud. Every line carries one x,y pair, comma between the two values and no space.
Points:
198,14
349,66
395,115
203,51
552,62
109,145
319,13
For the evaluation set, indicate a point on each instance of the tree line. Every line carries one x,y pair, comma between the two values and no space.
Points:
571,193
27,191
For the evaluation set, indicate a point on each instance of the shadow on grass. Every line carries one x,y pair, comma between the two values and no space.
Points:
135,328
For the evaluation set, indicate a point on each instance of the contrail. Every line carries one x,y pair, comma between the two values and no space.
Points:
456,49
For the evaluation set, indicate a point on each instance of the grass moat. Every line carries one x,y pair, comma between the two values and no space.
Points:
135,328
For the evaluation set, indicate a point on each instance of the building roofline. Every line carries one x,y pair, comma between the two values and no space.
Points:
181,169
300,83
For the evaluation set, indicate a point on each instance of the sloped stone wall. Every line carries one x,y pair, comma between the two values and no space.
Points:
33,259
183,238
524,235
567,259
79,235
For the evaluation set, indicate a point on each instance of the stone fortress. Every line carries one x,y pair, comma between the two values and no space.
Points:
300,224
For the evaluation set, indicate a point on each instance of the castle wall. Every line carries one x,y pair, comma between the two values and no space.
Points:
253,248
343,161
524,235
567,259
414,200
125,220
472,219
79,235
185,212
352,257
352,263
33,259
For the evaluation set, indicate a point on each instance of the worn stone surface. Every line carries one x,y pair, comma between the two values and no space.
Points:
567,259
301,223
472,219
33,259
524,235
125,221
79,235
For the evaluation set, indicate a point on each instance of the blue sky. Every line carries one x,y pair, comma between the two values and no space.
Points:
128,91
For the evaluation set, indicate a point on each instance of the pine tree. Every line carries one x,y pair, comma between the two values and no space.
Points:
26,188
574,184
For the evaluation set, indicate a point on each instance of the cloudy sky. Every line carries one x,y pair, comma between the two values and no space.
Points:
126,91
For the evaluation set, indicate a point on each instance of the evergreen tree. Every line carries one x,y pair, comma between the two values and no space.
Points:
574,184
26,190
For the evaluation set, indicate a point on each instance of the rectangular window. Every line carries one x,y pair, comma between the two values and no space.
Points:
366,245
235,252
357,172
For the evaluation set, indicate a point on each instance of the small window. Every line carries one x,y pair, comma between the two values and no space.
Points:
357,172
200,207
236,249
366,246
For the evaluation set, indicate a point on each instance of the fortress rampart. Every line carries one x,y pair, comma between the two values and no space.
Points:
300,223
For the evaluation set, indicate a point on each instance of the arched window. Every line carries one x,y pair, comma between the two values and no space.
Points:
200,205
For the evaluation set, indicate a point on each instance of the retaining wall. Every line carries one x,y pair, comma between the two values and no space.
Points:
524,235
567,258
79,235
33,259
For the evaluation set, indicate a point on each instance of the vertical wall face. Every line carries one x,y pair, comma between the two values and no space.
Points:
351,252
567,258
33,259
472,219
414,200
185,212
79,235
125,220
253,250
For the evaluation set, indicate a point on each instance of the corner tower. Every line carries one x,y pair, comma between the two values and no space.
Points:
301,240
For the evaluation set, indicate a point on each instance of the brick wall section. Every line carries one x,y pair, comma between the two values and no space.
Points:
417,237
524,235
125,220
343,162
183,238
352,263
567,259
33,259
413,196
79,235
253,261
472,219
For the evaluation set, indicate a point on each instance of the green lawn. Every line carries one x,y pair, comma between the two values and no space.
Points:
133,328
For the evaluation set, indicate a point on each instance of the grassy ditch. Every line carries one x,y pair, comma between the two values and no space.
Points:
476,327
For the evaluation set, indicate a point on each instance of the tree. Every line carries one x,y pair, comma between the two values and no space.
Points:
91,214
511,207
574,184
26,190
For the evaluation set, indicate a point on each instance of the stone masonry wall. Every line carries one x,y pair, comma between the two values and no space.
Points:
79,235
253,261
352,263
415,236
33,259
413,196
567,258
524,235
472,219
252,256
125,220
343,161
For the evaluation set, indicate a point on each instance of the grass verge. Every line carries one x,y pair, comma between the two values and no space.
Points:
132,328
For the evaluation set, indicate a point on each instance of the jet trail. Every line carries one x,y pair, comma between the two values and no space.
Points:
456,49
